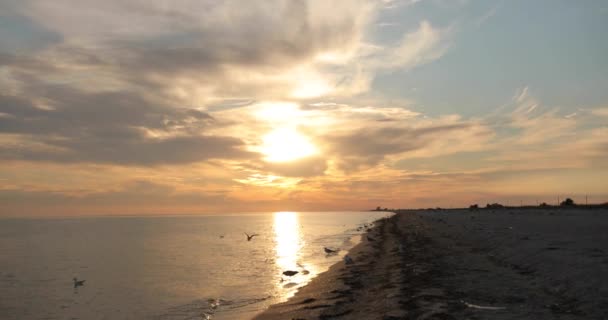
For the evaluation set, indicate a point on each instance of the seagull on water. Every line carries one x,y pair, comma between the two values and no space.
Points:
249,237
78,283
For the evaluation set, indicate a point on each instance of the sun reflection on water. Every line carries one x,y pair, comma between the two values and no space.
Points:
288,244
287,236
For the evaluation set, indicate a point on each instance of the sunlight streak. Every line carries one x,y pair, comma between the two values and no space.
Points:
287,236
288,241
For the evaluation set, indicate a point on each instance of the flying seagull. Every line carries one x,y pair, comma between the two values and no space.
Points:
249,237
78,283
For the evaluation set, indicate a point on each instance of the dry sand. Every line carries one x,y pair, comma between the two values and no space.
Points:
460,264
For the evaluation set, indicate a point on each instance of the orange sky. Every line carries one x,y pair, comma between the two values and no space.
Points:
209,107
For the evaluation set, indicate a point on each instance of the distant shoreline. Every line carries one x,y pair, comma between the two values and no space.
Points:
516,263
496,206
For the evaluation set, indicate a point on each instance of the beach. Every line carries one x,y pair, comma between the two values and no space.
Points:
507,263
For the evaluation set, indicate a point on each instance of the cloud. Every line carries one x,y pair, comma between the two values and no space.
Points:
195,49
367,147
601,112
537,124
131,88
119,128
20,34
486,16
204,51
392,4
416,48
305,167
171,102
132,197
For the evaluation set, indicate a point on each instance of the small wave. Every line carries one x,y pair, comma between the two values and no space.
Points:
207,309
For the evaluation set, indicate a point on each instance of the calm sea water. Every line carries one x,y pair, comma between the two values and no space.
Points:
199,267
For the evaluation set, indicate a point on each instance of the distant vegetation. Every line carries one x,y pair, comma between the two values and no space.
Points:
383,209
494,206
567,203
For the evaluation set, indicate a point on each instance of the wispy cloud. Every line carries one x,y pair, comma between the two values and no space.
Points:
418,47
486,16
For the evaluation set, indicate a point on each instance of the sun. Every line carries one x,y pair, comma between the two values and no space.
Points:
286,144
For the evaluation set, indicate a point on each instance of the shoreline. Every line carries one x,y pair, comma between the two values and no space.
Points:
503,264
330,293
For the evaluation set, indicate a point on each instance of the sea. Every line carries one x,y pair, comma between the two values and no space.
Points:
166,267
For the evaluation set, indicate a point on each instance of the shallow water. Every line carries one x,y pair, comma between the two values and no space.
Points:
183,267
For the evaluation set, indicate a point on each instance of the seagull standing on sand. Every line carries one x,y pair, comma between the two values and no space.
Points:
249,237
329,251
78,283
304,271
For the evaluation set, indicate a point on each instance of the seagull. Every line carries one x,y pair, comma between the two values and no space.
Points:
304,271
78,283
290,273
249,237
328,250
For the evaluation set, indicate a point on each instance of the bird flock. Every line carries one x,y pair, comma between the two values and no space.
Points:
367,227
329,251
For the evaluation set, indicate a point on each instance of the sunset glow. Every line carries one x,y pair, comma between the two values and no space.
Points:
210,106
303,159
286,144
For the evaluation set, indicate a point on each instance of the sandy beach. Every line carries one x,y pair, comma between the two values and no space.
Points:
460,264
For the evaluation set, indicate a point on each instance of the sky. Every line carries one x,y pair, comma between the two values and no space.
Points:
190,107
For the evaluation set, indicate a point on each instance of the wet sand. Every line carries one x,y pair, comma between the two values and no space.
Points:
461,264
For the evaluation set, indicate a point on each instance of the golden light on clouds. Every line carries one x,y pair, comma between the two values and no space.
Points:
277,112
286,144
309,84
281,104
273,181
